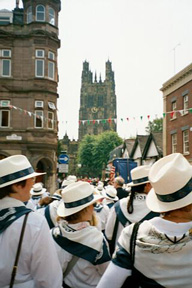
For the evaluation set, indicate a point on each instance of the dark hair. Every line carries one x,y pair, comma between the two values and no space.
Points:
134,189
7,190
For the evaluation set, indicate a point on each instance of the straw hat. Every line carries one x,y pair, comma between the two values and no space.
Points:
14,169
139,175
70,179
76,197
37,189
110,193
171,179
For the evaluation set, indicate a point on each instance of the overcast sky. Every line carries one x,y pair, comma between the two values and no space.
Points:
147,41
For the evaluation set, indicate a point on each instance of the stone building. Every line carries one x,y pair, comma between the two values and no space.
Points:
177,129
97,111
28,84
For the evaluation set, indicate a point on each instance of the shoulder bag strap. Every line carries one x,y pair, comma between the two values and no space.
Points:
133,241
70,265
14,271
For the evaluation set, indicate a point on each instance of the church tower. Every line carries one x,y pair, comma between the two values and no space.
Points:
97,102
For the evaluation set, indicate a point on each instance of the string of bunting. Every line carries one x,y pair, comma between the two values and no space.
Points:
30,114
110,120
98,121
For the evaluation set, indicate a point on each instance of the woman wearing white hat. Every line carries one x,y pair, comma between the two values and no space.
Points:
163,245
82,248
38,265
130,209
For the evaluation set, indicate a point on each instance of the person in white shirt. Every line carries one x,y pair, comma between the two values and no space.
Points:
82,249
160,253
38,265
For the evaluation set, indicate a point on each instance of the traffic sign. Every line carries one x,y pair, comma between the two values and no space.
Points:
63,159
63,168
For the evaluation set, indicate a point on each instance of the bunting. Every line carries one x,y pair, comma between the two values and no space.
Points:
171,114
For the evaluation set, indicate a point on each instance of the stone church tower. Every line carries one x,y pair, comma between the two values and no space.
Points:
28,84
97,102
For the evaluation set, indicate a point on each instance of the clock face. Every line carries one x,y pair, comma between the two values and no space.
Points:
94,110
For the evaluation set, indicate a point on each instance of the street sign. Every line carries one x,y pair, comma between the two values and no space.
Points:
63,159
63,168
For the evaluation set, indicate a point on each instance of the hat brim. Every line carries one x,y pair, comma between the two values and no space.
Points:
110,198
43,190
62,211
34,174
155,205
131,184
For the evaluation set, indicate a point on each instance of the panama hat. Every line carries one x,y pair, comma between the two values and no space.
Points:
139,175
76,197
14,169
37,189
70,179
110,193
171,180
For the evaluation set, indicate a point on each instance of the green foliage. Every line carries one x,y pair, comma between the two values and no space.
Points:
155,126
93,153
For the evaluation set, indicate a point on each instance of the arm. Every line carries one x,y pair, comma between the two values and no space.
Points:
114,276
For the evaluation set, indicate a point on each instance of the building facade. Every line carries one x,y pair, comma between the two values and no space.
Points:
28,84
177,97
97,111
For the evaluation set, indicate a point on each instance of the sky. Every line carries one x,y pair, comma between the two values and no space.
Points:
147,41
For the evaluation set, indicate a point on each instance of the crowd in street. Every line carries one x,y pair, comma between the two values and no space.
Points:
97,234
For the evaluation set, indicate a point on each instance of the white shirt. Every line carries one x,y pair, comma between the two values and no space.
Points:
38,265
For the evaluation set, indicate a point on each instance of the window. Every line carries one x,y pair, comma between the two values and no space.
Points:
90,101
4,103
4,118
51,65
50,120
51,105
174,143
174,107
39,63
186,142
51,16
5,63
40,13
38,119
39,104
29,14
100,100
185,104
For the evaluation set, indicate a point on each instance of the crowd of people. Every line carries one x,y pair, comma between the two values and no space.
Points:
97,234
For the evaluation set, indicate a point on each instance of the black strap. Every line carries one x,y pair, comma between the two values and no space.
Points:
14,271
133,241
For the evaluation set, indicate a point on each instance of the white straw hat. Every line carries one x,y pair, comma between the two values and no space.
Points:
14,169
110,193
70,179
139,175
37,189
76,197
171,179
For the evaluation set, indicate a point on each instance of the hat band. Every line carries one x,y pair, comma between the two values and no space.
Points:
37,191
16,175
183,192
113,197
79,202
140,180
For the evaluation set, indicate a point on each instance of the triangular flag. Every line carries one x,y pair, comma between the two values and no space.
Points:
88,122
122,119
127,119
164,114
148,116
115,120
190,110
94,121
141,117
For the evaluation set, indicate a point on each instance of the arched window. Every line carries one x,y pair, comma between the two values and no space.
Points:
51,16
29,14
40,13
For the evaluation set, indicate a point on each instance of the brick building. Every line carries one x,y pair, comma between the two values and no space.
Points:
28,84
177,97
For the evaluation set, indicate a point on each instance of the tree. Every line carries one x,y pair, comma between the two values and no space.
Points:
155,126
94,152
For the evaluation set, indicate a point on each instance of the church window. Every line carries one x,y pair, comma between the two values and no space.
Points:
100,100
90,101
